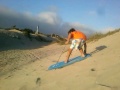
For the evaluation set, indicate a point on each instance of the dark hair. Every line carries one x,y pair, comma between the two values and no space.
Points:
71,30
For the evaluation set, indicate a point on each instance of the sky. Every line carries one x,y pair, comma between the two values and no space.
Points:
58,16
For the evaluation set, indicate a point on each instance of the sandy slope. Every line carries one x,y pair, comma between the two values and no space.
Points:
99,72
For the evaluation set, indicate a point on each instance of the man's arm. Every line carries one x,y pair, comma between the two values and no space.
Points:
68,38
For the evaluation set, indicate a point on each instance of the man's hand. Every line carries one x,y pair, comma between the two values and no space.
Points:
68,38
66,42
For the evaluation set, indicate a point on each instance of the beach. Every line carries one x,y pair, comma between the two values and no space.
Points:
25,66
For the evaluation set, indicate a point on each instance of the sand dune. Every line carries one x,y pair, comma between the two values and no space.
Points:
25,68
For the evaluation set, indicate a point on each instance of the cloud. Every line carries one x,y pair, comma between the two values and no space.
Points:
49,21
85,29
9,18
49,17
92,13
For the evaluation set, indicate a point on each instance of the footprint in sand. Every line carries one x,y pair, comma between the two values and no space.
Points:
38,81
93,72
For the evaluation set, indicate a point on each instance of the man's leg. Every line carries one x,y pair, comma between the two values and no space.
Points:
68,55
81,52
81,43
85,48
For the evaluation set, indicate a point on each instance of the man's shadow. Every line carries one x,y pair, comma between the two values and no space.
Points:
99,48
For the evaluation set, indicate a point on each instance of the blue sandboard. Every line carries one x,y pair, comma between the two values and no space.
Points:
71,61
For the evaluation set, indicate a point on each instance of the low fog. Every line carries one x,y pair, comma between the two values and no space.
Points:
49,22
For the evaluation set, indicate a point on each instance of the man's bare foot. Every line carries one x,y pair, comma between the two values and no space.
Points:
82,55
65,61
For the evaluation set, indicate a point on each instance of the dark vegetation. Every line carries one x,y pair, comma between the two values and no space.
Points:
98,36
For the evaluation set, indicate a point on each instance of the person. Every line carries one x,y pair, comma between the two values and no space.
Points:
78,40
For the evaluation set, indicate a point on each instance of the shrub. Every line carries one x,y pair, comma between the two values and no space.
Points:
98,36
27,32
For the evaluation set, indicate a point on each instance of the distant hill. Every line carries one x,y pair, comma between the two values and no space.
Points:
21,39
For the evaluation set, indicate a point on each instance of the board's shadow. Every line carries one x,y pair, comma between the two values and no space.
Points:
99,48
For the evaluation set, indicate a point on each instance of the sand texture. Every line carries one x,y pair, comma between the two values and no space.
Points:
24,65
